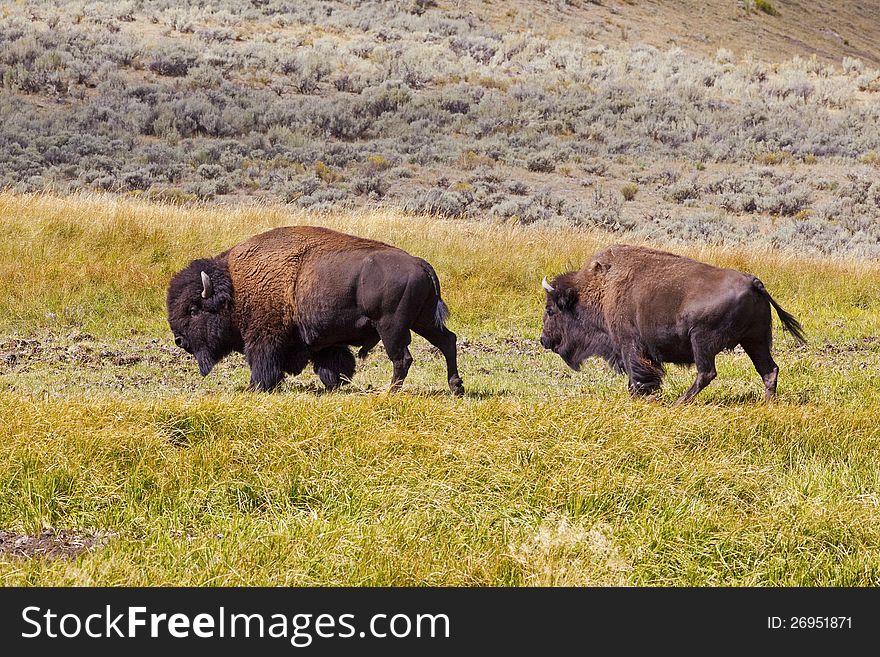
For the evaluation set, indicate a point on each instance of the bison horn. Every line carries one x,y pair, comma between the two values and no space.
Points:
207,286
546,285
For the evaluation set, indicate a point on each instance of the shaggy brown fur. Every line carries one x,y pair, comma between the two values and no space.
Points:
268,269
639,308
302,293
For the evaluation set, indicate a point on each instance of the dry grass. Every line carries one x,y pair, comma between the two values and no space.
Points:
538,476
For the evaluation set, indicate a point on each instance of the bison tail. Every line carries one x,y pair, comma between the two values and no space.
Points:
789,323
441,314
441,311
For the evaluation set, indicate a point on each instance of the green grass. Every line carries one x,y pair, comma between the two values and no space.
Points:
539,475
767,7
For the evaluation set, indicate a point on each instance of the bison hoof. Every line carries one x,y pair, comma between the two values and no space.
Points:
457,387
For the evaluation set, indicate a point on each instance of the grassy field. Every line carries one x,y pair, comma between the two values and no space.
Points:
538,476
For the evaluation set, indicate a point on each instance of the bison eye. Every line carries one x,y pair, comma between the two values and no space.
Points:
550,311
193,311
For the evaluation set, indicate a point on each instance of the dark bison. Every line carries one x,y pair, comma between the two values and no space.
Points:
298,294
639,308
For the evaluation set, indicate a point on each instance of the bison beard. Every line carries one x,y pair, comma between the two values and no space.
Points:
639,308
299,294
205,361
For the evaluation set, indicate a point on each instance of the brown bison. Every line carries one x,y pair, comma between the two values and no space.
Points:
298,294
639,308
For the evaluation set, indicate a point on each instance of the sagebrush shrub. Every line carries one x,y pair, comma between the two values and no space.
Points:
629,191
438,92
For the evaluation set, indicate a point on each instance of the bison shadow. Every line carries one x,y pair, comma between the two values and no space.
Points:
731,399
348,390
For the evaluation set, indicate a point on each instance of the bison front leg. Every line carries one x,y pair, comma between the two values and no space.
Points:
645,375
266,367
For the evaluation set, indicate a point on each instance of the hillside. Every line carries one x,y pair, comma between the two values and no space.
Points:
689,122
825,29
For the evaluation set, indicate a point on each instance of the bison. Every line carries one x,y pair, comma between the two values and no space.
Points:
298,294
639,308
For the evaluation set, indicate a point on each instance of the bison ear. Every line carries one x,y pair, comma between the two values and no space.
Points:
599,267
567,298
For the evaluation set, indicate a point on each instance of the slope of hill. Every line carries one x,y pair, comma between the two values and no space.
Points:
781,30
671,121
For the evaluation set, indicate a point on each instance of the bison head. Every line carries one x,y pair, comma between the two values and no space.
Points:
200,313
574,327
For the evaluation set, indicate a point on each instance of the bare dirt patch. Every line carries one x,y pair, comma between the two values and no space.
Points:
50,543
18,354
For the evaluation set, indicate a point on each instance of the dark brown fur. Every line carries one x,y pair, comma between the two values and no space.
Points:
298,294
639,308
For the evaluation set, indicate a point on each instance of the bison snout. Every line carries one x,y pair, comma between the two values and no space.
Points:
545,342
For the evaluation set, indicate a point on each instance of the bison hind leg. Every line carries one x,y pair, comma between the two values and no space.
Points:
759,352
445,341
334,366
367,347
296,361
704,357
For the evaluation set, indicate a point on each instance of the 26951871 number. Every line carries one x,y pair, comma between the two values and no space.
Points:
810,623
